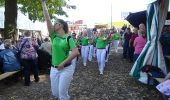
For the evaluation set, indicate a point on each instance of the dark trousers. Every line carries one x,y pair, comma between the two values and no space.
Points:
167,62
30,65
131,53
44,60
135,57
1,66
125,49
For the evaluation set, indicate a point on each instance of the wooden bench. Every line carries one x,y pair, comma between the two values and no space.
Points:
7,74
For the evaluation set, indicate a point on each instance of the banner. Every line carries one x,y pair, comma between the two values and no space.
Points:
79,22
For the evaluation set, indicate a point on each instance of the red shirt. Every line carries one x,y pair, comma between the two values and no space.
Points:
134,35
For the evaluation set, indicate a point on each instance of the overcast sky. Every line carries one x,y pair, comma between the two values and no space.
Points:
99,11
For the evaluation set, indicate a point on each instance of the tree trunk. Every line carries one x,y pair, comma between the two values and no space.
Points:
10,19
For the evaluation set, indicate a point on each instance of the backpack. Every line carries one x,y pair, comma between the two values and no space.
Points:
29,51
68,42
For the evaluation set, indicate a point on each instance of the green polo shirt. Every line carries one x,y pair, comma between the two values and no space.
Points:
116,36
84,41
60,48
101,43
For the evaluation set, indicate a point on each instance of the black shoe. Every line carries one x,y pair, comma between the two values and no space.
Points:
26,84
130,61
37,80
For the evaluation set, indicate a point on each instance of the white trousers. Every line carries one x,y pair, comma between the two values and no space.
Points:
111,45
101,53
91,51
84,53
107,52
74,62
94,52
60,82
116,44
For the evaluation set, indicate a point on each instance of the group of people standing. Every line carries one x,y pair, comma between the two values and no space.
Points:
133,42
21,55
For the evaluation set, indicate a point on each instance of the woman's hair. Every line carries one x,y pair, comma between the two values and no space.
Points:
65,25
47,39
135,30
7,43
141,33
27,33
74,34
128,29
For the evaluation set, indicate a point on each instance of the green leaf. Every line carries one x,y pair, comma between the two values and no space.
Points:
34,8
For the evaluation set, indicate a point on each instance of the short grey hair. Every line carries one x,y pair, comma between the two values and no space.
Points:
7,43
27,33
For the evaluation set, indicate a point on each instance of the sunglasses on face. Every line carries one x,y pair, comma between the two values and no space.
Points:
57,23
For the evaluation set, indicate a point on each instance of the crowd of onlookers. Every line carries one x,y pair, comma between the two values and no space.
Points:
27,54
133,41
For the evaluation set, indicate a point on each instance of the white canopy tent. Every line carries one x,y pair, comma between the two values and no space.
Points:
24,23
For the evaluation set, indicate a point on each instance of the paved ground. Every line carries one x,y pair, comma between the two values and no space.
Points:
87,84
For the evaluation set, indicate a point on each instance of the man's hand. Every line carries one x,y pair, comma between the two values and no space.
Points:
61,66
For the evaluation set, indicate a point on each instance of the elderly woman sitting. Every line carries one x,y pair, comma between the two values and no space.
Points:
8,58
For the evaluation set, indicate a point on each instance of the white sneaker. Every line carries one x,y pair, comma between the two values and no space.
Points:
84,64
101,73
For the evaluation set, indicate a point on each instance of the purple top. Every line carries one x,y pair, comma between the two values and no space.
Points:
29,48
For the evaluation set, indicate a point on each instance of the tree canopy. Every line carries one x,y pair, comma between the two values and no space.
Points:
34,8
